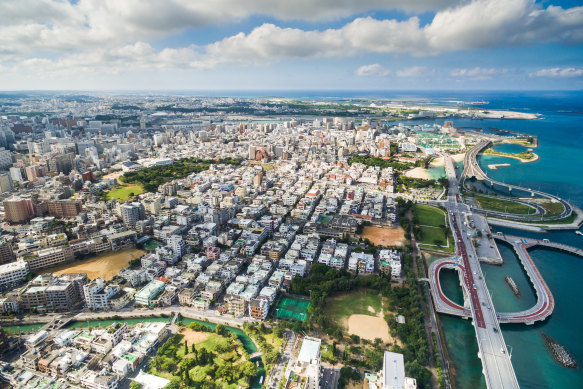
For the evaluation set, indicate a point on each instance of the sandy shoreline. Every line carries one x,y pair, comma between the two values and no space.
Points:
440,161
418,172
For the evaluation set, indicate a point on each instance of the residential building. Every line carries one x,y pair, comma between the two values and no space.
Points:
122,240
64,208
132,212
12,274
48,257
5,182
259,308
149,292
18,210
97,294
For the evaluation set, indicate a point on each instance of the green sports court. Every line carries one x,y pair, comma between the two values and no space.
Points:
292,308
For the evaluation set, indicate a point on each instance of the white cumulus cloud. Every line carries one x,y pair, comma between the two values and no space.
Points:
112,34
477,73
414,71
373,70
558,72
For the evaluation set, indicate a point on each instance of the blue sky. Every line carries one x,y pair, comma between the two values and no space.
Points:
300,44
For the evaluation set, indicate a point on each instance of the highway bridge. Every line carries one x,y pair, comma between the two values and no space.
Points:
496,365
540,311
545,301
472,169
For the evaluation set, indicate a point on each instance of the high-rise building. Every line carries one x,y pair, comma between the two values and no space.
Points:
131,213
18,210
34,171
61,163
178,245
6,254
5,158
258,179
5,182
16,174
64,208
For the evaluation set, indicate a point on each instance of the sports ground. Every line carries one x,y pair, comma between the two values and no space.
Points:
292,308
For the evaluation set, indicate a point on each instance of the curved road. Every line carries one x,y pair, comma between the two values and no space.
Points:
472,168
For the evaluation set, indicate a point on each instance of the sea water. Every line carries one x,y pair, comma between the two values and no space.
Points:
559,171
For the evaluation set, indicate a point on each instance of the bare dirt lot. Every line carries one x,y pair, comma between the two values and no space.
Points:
193,337
384,236
105,265
369,327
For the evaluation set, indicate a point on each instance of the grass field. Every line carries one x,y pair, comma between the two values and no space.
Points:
124,192
340,308
500,205
429,216
429,219
552,208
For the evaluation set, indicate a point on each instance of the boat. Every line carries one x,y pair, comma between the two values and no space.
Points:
579,232
559,352
512,285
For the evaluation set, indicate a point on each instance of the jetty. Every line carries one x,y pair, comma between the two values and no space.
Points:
559,352
510,282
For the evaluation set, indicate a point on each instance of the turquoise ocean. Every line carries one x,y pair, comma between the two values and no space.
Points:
559,171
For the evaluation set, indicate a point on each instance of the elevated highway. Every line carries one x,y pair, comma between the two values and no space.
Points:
472,169
496,365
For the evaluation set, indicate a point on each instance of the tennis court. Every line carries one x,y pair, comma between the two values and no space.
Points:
292,308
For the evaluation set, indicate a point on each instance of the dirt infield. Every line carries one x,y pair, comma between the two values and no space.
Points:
194,337
370,327
384,236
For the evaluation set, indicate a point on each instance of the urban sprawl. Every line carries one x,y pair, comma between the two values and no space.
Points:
220,210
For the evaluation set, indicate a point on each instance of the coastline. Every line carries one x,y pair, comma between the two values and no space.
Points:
418,172
509,155
440,161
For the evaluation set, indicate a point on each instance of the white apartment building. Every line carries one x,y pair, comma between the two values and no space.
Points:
13,273
131,213
97,294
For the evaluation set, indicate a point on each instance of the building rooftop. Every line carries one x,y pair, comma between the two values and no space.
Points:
394,370
310,350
